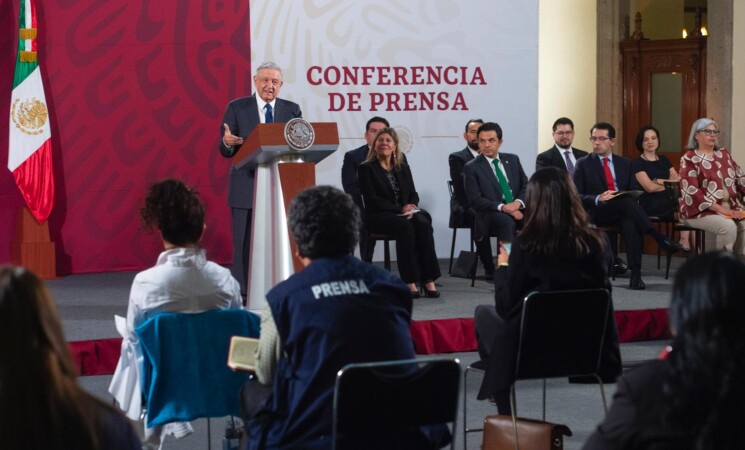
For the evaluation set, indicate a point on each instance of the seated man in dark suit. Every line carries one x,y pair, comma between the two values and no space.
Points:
562,155
495,189
598,178
352,160
460,216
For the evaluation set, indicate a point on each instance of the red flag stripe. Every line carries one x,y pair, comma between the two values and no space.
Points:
35,179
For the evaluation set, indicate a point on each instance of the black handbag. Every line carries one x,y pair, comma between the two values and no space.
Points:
465,265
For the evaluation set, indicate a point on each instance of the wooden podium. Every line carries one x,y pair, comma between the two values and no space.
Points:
281,172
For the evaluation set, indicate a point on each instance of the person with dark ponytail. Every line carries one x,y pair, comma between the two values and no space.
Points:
182,280
691,399
41,404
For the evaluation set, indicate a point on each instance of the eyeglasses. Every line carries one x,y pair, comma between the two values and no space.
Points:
564,133
708,131
599,139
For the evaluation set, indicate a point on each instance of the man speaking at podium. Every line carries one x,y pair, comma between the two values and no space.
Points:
241,117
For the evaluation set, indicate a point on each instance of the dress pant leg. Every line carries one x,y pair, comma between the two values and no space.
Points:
486,320
486,223
402,231
425,247
241,221
633,223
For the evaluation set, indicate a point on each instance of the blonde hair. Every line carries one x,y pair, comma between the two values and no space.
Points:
396,156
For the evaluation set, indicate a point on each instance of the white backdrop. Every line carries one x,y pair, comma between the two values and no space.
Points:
485,51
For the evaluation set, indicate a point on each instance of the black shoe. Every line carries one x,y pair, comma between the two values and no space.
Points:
619,267
673,247
636,283
431,294
415,294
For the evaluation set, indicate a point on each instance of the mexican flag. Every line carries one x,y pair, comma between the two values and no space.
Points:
30,143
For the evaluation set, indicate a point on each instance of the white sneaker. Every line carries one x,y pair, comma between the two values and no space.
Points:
179,429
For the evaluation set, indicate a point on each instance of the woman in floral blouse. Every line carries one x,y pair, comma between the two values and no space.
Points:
712,188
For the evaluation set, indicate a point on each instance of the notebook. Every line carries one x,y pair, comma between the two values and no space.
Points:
242,354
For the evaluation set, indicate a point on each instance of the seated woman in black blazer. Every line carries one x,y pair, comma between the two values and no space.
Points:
693,398
555,250
391,201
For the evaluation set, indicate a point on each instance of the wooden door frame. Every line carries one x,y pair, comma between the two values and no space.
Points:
643,58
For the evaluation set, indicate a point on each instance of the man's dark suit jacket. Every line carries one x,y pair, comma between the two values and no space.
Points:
352,160
242,116
482,187
589,177
459,202
554,158
536,272
378,193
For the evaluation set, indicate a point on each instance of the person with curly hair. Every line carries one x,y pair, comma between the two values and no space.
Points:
335,311
41,404
182,280
691,399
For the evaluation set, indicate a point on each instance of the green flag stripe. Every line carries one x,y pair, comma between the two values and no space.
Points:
23,69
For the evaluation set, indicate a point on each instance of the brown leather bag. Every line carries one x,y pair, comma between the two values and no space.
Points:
531,434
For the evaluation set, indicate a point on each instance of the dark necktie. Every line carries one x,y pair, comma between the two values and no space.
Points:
268,115
570,166
610,183
503,184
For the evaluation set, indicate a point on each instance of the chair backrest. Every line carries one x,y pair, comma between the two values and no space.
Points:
389,400
185,374
561,333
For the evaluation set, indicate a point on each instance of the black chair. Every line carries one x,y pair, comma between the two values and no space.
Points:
672,190
377,405
478,367
372,238
455,230
561,335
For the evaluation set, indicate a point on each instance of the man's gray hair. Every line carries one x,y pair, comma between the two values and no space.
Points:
269,65
700,124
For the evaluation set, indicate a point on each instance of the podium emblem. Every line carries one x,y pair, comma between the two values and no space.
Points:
299,134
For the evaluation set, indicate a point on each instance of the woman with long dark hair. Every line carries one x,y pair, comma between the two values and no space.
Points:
556,249
693,398
41,404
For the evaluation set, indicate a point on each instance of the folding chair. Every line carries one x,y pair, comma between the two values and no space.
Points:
384,404
561,335
455,230
185,374
673,193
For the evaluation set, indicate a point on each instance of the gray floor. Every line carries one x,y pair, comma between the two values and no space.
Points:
87,304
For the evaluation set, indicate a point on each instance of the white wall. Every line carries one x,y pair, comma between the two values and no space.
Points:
497,37
566,68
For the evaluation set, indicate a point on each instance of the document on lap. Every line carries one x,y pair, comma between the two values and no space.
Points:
632,194
413,211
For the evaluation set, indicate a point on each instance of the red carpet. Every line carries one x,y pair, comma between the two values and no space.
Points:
99,357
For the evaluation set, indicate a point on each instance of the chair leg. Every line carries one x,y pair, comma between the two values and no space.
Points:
513,406
209,435
602,394
466,430
452,251
387,255
544,400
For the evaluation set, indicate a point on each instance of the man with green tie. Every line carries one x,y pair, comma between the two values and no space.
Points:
495,188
